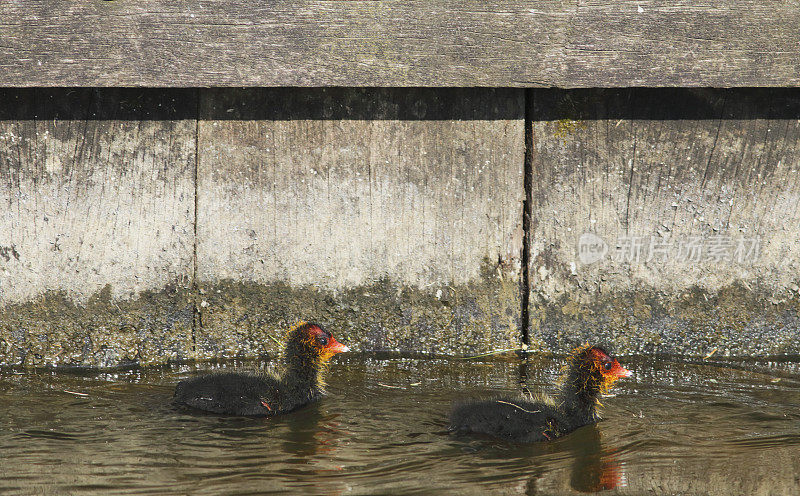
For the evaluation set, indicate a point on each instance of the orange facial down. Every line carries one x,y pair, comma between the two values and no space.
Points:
324,342
609,367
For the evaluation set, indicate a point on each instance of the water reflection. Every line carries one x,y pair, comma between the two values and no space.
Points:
524,365
676,428
593,467
311,433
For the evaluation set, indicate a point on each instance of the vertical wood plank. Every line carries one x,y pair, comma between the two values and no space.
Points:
97,189
689,171
394,215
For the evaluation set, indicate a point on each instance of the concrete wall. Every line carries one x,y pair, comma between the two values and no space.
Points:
153,225
692,198
97,224
395,215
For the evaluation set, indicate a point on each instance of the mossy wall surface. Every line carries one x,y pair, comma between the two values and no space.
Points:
383,316
144,226
666,221
733,321
147,226
54,329
238,319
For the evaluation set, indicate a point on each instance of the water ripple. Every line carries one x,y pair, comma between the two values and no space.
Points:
674,428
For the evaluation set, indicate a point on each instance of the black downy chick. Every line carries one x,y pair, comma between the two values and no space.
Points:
591,373
307,351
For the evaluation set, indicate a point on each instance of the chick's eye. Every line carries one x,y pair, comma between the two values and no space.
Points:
607,366
322,340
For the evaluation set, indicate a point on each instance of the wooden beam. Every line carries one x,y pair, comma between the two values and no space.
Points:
608,43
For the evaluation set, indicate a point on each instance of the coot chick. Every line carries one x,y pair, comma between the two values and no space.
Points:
591,372
307,351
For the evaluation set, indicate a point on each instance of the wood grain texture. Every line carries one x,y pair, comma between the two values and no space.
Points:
400,43
420,189
394,216
673,182
97,189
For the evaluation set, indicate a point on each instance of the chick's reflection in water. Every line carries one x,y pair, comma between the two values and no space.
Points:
593,468
311,432
310,443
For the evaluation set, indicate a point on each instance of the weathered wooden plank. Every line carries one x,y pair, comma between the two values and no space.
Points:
684,43
96,226
392,215
515,43
678,186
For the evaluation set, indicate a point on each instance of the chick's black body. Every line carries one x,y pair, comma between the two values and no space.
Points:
517,419
234,393
524,420
237,393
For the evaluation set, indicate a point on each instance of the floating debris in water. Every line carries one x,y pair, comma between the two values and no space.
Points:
76,393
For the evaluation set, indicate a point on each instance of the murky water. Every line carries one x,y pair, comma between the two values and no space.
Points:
676,427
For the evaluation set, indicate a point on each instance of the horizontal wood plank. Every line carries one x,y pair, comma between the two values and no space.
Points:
608,43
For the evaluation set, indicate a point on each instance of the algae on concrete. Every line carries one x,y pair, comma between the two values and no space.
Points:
242,319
